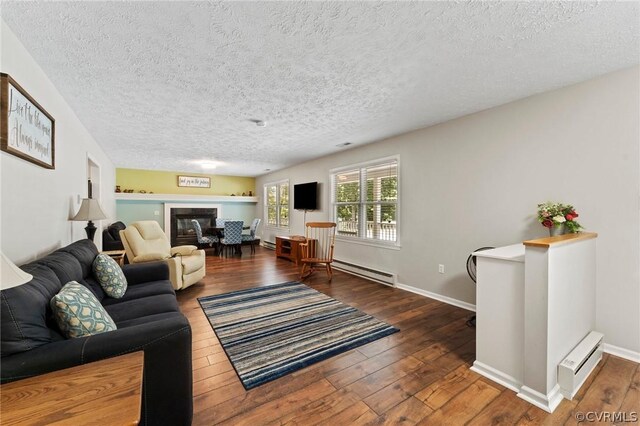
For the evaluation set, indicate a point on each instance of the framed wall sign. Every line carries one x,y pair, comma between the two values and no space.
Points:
194,181
27,130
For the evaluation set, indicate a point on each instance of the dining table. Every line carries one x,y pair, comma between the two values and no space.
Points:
218,231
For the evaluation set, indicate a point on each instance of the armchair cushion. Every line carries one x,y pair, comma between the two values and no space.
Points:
110,276
78,313
146,237
149,257
183,250
142,290
192,263
145,272
25,310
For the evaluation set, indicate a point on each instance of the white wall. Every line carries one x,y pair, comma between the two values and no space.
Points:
476,181
37,202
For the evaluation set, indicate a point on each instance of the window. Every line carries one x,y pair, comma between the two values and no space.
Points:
276,204
365,200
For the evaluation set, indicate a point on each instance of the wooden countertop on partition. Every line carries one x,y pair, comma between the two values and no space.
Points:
107,391
560,239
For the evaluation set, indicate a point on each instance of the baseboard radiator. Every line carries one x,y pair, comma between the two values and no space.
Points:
576,367
269,245
382,277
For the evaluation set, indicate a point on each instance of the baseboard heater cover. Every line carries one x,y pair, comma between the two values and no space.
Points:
382,277
576,367
269,245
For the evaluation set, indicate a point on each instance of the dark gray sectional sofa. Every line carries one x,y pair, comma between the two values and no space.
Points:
147,316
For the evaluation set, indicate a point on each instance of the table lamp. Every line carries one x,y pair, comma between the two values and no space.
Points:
10,274
89,210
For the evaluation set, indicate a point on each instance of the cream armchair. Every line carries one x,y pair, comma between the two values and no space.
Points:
145,241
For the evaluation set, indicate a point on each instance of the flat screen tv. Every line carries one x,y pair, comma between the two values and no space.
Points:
305,196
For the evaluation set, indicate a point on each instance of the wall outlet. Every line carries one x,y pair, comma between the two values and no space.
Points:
156,213
441,268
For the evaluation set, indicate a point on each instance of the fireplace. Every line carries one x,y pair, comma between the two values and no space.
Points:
182,230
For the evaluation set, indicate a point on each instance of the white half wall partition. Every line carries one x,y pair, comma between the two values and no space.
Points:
535,304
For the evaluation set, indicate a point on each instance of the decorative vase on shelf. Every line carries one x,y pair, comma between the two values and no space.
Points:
557,229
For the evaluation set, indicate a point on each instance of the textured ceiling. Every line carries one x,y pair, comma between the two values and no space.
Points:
161,84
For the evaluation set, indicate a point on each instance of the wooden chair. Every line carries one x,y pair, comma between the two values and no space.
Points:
318,247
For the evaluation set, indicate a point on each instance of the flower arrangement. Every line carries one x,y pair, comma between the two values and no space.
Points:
550,214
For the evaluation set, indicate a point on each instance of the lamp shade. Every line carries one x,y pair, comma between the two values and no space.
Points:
89,210
10,274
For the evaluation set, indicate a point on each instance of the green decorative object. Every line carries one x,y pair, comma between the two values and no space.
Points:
559,218
110,276
78,313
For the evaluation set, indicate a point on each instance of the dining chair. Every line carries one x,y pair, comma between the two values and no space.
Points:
209,240
318,247
232,235
251,236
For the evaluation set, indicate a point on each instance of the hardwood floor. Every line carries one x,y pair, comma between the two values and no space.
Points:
417,376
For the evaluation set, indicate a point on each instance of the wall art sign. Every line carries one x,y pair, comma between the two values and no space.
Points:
27,130
194,181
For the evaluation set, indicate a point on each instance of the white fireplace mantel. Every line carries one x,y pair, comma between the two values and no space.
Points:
136,196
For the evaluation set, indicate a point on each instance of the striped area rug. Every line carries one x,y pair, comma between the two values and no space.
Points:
268,332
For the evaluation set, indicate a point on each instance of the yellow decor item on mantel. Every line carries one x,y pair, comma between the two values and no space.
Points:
163,182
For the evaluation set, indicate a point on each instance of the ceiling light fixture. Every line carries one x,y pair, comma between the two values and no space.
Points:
259,123
206,164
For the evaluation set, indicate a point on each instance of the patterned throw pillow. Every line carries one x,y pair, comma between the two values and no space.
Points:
110,276
78,313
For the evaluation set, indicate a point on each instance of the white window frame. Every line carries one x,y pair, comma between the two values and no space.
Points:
363,223
277,184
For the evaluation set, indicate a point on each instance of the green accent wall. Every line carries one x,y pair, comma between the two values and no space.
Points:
163,182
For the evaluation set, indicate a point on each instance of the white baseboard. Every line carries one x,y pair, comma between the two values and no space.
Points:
436,296
622,352
268,245
547,402
491,373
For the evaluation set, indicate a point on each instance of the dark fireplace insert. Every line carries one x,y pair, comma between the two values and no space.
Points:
182,230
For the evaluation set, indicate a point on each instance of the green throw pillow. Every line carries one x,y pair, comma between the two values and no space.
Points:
78,313
110,276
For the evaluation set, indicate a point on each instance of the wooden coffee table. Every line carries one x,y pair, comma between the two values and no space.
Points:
106,392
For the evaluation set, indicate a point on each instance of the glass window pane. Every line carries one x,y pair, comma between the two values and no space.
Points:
284,194
284,215
388,213
381,222
382,182
347,220
271,195
272,216
389,189
348,187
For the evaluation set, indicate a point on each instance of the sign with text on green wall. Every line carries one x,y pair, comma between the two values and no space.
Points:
194,181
